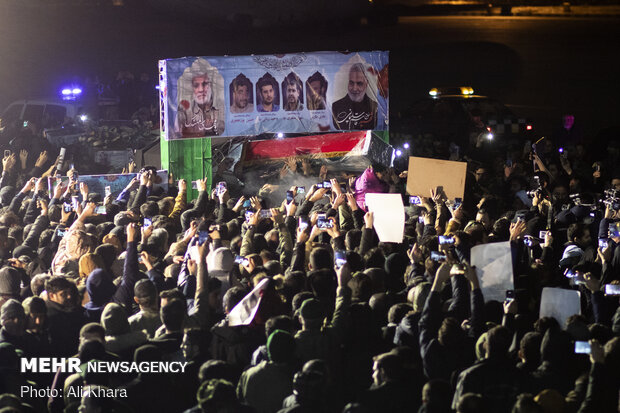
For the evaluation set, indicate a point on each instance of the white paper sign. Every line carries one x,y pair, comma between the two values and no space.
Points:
493,264
244,312
559,304
389,216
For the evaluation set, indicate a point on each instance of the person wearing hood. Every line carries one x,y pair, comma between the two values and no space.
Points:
100,289
110,262
267,384
315,341
119,338
131,273
495,377
557,368
220,264
407,332
149,392
13,320
100,286
10,281
36,315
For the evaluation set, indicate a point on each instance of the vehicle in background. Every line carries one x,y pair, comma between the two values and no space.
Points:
52,113
453,114
90,130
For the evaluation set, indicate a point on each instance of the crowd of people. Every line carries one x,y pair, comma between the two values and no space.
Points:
344,323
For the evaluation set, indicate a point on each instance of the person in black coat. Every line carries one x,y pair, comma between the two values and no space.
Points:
64,318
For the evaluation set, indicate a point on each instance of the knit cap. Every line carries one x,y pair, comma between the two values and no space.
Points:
9,281
311,309
10,310
280,346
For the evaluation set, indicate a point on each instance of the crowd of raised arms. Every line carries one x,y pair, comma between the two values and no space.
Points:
344,323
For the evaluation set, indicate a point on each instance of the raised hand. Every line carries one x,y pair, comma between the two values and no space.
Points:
592,283
336,189
517,229
352,183
42,204
318,194
254,219
302,235
290,209
323,172
276,216
8,162
201,185
146,232
132,230
351,202
510,307
191,231
442,275
89,209
65,216
597,352
255,202
458,214
42,159
29,186
334,231
415,253
131,184
182,185
146,260
223,196
343,274
338,201
239,204
84,190
369,220
40,184
291,163
604,254
23,157
305,166
470,274
144,178
283,171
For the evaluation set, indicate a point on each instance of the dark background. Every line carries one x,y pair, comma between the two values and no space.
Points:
541,67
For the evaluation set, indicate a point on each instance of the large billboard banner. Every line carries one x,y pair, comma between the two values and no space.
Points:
291,93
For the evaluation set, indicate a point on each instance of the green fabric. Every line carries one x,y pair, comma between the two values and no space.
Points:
188,159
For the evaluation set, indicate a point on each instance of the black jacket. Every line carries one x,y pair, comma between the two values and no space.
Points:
64,329
497,380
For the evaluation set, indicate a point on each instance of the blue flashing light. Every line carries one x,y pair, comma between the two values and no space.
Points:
66,92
